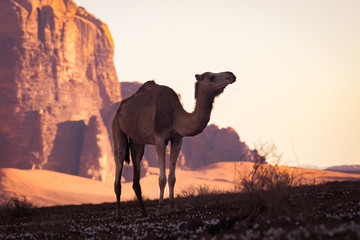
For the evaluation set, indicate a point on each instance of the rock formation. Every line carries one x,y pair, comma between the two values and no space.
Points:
214,145
57,85
129,88
96,158
355,169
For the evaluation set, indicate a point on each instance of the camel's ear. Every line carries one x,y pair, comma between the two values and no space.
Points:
199,77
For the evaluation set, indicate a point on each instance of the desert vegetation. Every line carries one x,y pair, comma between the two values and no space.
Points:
266,173
270,202
16,208
327,211
199,190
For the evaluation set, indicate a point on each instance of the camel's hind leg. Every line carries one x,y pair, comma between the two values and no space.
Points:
117,186
137,152
121,153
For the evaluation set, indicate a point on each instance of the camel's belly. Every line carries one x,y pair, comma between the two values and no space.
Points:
142,139
138,129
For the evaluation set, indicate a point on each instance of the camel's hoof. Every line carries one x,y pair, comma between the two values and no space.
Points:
159,212
160,209
172,206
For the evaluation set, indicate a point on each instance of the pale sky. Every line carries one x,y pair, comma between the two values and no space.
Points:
297,65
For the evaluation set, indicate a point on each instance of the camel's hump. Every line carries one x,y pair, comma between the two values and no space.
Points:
148,86
144,89
148,89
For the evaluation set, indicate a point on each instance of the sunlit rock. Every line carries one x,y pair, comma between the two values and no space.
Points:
56,72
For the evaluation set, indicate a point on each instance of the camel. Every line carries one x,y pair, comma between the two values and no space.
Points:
154,115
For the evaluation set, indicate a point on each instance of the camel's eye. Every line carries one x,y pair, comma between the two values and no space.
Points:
211,78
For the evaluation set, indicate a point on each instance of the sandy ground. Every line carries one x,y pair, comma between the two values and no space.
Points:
47,188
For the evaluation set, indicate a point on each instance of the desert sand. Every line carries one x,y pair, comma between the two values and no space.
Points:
48,188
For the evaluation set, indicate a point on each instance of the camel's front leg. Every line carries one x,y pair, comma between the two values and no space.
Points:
160,150
174,153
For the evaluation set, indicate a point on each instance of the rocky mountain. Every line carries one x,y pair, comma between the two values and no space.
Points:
345,168
214,145
58,88
59,92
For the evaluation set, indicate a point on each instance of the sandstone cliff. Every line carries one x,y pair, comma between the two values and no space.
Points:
57,85
214,145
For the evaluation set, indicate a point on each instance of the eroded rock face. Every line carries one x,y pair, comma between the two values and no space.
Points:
213,145
129,88
56,76
96,158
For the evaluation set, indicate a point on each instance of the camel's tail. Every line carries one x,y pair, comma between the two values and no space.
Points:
121,144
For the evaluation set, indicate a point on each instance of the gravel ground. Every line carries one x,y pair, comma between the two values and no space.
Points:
329,211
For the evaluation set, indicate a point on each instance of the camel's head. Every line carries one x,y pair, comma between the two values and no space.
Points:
213,83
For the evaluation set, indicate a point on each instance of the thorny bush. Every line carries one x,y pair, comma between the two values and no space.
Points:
264,176
17,208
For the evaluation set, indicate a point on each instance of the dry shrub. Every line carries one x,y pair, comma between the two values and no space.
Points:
264,176
202,189
268,177
17,208
266,185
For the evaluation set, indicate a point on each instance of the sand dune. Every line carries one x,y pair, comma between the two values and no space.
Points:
47,188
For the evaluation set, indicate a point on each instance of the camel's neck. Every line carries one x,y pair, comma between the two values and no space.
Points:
191,124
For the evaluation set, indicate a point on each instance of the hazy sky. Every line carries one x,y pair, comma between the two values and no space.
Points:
297,65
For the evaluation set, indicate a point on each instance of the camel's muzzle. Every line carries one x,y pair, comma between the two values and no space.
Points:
231,77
